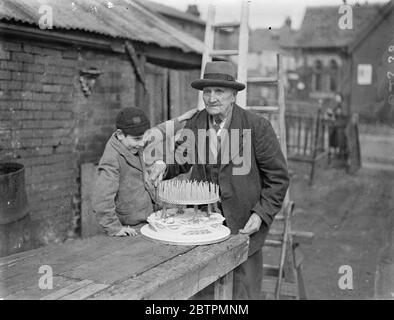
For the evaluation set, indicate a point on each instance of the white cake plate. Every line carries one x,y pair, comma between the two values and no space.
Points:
220,234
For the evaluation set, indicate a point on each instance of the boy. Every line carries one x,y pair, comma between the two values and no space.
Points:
121,197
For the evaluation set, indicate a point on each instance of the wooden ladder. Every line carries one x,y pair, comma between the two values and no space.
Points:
284,279
242,51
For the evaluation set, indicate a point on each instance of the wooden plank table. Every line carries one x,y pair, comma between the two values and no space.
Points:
104,267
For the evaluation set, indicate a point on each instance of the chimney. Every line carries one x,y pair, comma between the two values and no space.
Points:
193,10
288,22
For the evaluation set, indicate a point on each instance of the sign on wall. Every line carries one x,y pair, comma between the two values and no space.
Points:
364,74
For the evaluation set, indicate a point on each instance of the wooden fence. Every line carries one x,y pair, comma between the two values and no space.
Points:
306,136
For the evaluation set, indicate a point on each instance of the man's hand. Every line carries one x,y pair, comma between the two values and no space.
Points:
253,224
126,231
156,173
188,115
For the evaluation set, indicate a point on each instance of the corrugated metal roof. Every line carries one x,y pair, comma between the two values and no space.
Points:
170,11
116,18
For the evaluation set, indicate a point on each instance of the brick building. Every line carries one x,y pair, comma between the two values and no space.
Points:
374,49
191,23
264,45
52,121
350,61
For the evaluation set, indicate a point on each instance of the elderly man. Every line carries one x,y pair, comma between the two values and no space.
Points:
250,198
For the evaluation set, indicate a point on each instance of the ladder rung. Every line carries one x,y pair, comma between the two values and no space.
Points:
280,217
288,289
275,232
270,270
270,266
272,243
275,237
302,236
216,53
263,80
297,236
267,109
226,25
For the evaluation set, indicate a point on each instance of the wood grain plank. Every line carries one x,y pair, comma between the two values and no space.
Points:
89,224
9,286
20,256
65,257
85,292
224,287
33,292
175,94
127,262
67,290
185,275
288,289
68,255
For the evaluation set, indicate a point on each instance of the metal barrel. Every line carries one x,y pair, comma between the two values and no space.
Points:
14,210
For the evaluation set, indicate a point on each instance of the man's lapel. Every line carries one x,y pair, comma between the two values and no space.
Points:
201,122
235,124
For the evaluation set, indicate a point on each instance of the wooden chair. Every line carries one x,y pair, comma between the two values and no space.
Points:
306,136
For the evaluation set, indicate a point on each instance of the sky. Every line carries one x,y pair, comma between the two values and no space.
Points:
262,13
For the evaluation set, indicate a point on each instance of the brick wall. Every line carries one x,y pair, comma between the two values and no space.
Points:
95,115
47,124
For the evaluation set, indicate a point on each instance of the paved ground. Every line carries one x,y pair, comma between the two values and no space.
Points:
352,217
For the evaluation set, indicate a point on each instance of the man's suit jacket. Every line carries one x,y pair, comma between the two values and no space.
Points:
261,190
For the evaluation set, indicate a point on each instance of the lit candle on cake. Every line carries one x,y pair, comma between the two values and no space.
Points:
185,191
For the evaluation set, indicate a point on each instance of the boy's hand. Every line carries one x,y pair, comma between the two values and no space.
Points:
188,114
126,231
157,172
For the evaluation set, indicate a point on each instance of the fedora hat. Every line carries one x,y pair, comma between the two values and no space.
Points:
218,74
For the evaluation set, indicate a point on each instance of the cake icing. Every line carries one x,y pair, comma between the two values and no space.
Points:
185,221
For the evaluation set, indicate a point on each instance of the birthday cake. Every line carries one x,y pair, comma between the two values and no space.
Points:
185,221
180,225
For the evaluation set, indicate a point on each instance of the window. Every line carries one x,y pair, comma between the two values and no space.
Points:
317,76
333,76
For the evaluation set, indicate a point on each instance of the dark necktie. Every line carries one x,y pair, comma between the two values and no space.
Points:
216,124
216,143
